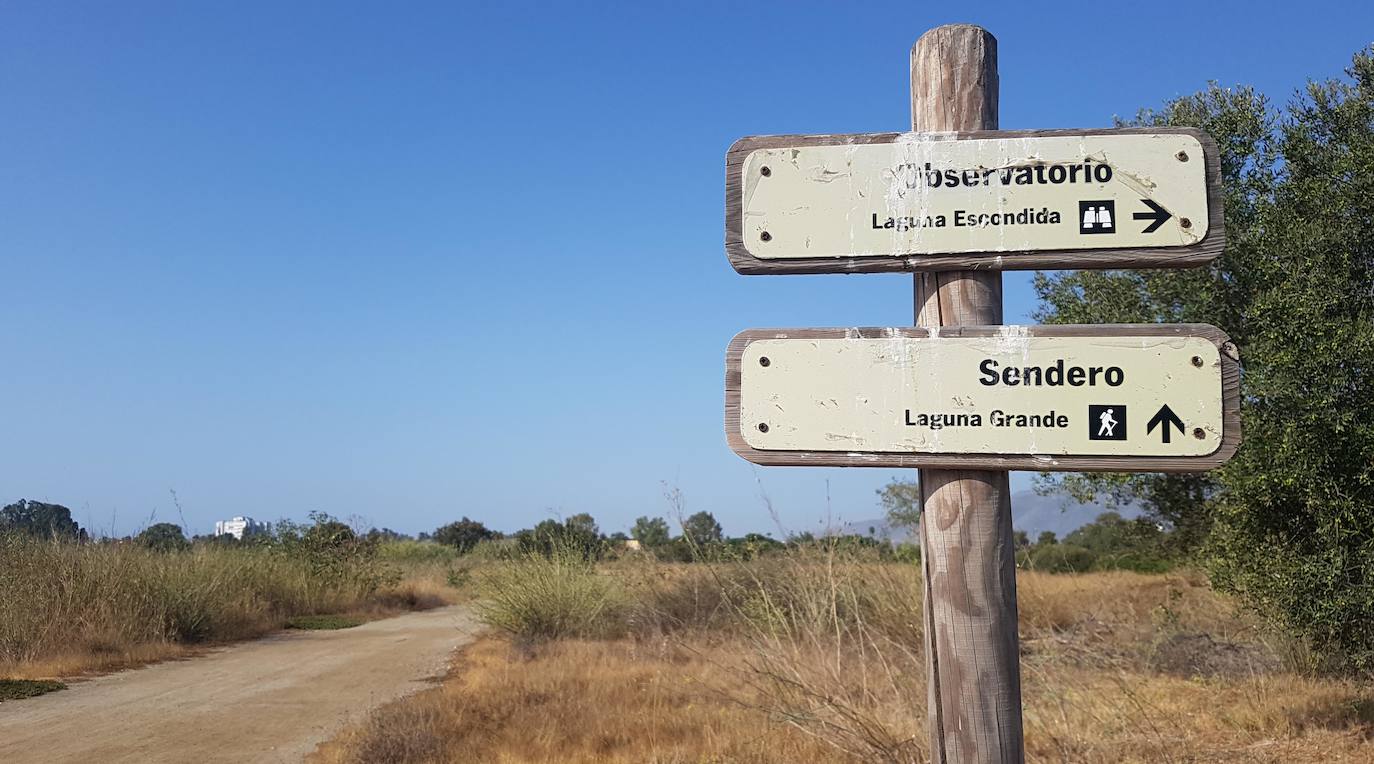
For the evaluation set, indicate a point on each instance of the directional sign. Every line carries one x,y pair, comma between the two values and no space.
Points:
1132,397
1003,200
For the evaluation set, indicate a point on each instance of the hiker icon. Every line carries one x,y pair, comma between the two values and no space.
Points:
1108,427
1107,422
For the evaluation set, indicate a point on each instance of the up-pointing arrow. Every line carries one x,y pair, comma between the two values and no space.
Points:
1158,215
1166,417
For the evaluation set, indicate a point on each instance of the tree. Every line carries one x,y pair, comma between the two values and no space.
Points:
386,534
702,529
755,544
579,533
651,532
1240,122
543,537
901,500
332,549
463,534
1060,558
163,537
226,540
1111,533
582,526
1288,524
1020,539
1295,526
328,532
35,518
1046,538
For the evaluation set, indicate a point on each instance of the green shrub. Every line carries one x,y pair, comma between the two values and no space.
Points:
323,622
463,535
164,537
908,552
1061,558
18,689
337,556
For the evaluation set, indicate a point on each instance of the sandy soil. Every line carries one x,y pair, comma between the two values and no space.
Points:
270,700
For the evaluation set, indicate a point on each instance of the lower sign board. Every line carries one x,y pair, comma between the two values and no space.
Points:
1124,397
1119,198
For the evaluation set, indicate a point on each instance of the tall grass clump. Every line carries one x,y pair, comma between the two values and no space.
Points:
832,640
63,598
553,594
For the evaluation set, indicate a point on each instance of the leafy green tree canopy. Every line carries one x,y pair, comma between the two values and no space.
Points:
163,537
35,518
582,525
651,532
328,531
578,532
702,529
463,534
901,501
1289,523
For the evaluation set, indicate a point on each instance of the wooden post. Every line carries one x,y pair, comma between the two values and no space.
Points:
966,536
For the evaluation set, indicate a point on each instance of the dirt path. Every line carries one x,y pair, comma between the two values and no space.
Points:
273,699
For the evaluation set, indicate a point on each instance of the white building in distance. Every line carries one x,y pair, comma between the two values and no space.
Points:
239,527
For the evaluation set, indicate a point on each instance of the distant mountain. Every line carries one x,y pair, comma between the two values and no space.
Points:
1030,512
1033,513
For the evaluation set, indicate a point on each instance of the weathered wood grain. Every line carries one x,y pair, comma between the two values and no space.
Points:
956,298
1187,256
967,551
1230,388
970,614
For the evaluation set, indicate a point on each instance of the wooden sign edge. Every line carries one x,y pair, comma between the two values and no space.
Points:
1183,256
1230,401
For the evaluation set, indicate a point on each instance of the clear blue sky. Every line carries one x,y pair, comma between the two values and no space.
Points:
411,261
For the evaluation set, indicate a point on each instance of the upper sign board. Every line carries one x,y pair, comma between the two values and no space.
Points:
1134,397
1144,198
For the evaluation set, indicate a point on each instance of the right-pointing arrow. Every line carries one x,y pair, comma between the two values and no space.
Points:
1166,417
1158,215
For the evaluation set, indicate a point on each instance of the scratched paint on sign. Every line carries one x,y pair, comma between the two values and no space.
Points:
938,194
1010,393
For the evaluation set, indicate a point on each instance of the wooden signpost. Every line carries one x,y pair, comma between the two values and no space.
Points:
960,397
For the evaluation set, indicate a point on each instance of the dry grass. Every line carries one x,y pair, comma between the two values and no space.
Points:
71,609
89,657
625,701
574,701
1096,716
819,660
